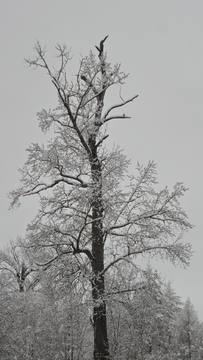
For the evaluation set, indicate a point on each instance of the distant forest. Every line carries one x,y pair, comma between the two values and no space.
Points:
48,314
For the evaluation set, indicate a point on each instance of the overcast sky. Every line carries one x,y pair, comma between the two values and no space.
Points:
160,43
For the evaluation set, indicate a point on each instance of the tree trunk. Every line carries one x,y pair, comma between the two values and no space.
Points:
101,348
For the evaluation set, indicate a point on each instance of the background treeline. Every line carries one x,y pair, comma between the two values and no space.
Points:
46,313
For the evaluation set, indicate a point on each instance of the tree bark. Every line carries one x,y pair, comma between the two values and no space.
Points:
101,347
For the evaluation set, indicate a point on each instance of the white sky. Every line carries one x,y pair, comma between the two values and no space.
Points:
160,43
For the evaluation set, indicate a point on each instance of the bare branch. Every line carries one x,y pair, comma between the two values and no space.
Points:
89,83
44,186
49,262
115,117
118,105
101,141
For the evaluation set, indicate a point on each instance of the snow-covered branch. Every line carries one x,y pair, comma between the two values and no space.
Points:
174,252
42,186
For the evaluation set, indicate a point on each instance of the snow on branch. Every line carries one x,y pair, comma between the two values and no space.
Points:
38,188
175,252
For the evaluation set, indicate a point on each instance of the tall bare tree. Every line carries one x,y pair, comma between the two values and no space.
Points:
86,209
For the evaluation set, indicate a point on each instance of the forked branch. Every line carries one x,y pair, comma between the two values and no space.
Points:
116,106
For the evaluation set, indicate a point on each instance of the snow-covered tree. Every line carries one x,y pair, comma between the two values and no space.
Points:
87,210
18,265
172,307
44,323
190,333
